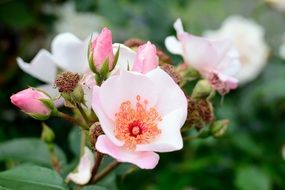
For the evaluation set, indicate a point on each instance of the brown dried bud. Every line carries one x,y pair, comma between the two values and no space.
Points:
94,132
205,109
199,112
170,69
134,42
67,81
163,57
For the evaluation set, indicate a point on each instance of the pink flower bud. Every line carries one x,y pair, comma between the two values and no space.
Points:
102,49
146,58
29,101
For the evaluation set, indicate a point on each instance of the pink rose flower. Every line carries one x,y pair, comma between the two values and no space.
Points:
140,114
29,101
102,49
146,58
216,60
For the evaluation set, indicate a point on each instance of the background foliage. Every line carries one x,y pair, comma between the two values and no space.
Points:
250,155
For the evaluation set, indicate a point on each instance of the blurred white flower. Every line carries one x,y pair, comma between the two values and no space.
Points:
282,48
277,4
83,173
248,38
68,53
78,23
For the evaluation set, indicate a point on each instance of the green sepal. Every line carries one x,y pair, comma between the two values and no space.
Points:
37,116
90,57
49,104
104,71
116,58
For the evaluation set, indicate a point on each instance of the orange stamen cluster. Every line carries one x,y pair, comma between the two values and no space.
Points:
136,125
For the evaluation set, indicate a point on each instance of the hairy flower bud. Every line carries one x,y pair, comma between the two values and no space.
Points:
202,90
33,102
218,128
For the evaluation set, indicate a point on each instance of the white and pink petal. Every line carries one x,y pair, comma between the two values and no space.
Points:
142,159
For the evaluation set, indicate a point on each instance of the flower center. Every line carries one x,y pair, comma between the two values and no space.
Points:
135,128
136,124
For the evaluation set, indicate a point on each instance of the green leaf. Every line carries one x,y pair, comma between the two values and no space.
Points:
29,150
249,178
74,139
28,177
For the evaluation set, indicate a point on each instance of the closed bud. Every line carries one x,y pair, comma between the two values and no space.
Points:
47,134
202,90
101,51
218,128
34,102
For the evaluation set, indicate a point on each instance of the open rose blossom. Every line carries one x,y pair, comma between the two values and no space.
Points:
140,114
102,49
216,60
29,101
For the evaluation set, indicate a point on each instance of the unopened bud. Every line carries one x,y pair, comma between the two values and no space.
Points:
47,134
218,128
202,90
35,103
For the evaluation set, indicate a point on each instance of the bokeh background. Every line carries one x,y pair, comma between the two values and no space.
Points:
251,156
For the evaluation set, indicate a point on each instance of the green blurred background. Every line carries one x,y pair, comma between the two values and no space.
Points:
248,157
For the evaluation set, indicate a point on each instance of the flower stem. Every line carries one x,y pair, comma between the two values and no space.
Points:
106,171
82,142
98,159
82,112
71,119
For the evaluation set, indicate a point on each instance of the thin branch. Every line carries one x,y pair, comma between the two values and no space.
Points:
82,112
105,172
98,159
71,119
